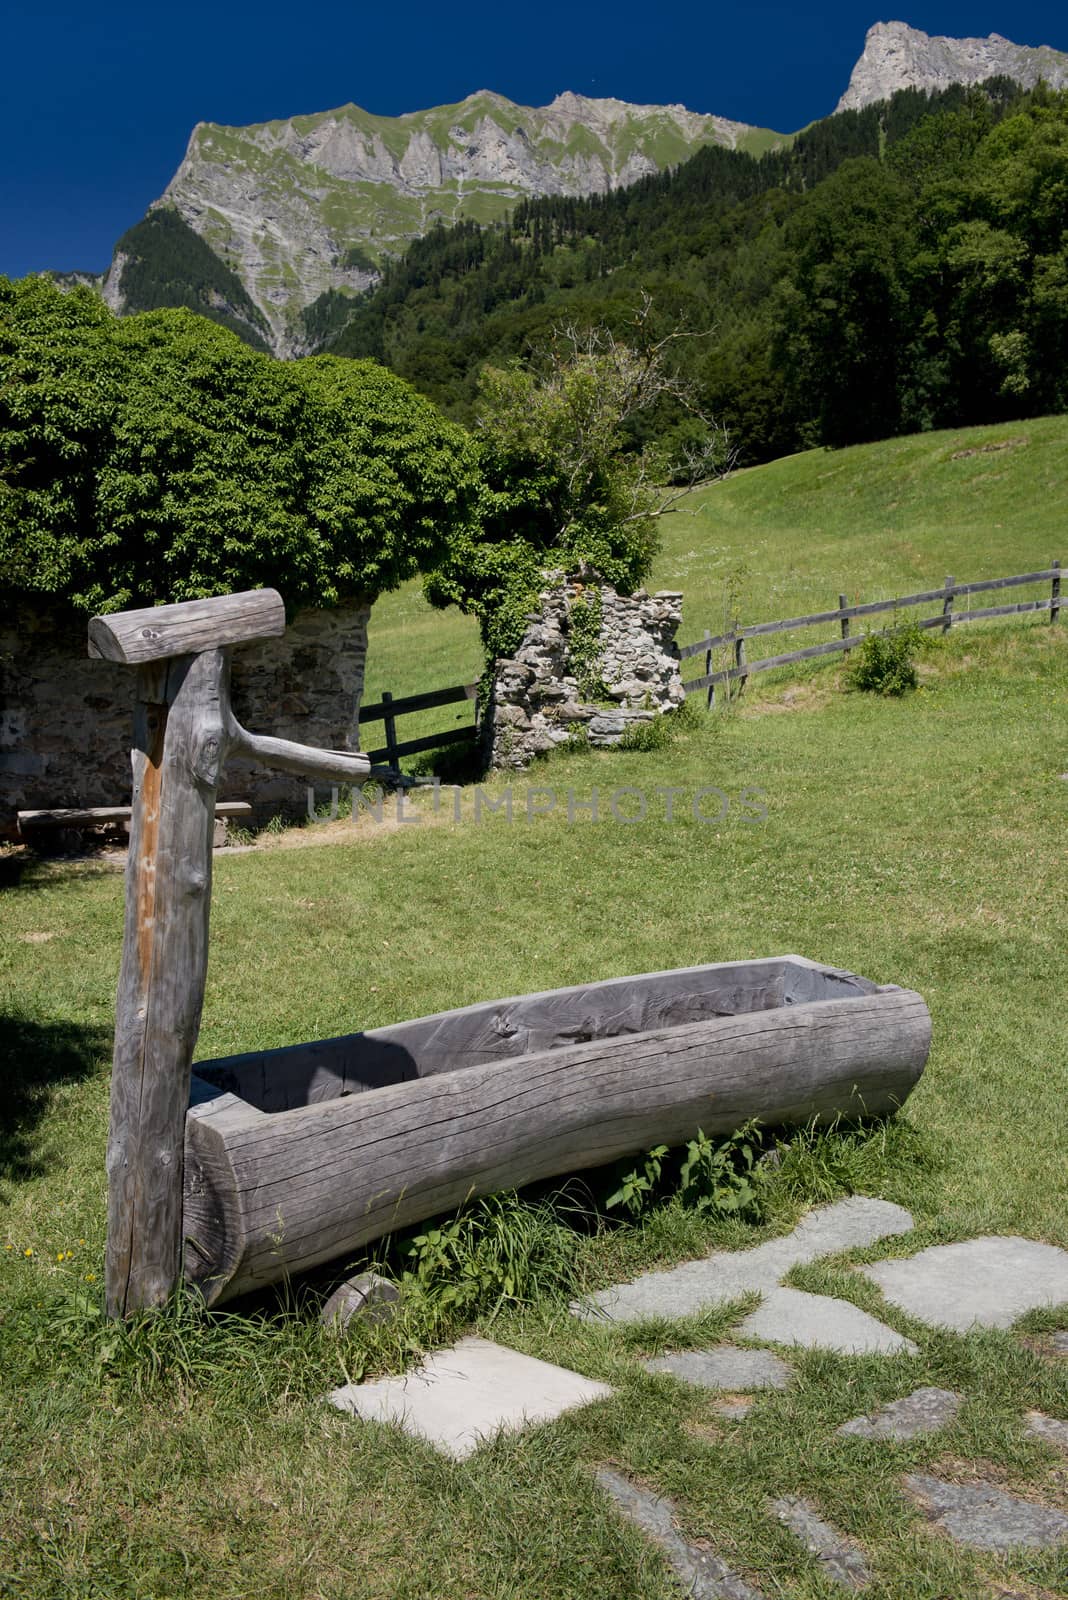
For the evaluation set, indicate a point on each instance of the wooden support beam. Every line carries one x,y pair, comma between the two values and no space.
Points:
159,632
183,729
179,744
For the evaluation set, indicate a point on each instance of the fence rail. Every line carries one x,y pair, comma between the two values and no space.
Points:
843,614
387,711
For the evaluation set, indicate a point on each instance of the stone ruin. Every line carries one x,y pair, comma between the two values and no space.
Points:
537,702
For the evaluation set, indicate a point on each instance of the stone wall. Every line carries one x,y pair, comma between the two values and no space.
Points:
66,721
537,704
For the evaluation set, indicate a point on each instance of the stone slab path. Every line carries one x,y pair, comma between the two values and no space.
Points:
840,1558
704,1575
1050,1429
727,1275
986,1517
820,1322
724,1367
987,1282
460,1398
923,1411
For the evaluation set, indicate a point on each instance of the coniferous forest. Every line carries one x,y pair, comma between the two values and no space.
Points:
888,270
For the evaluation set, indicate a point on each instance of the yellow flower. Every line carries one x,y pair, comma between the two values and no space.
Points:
90,1277
27,1252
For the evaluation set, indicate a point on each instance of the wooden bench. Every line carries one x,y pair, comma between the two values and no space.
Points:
87,819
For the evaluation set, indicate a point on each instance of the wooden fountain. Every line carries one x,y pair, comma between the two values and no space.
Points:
254,1167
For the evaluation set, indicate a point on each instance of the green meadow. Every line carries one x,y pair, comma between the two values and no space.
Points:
918,841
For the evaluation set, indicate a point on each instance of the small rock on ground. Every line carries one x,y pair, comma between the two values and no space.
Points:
725,1367
820,1322
925,1411
841,1559
986,1517
1060,1342
704,1575
987,1282
1051,1429
369,1297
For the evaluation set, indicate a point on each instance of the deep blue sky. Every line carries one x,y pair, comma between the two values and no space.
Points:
99,102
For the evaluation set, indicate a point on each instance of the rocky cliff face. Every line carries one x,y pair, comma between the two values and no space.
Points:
314,203
899,57
282,212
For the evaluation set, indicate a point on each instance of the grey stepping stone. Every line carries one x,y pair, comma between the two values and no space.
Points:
1051,1429
726,1275
925,1411
841,1559
820,1322
703,1574
461,1397
988,1282
987,1518
725,1367
1060,1342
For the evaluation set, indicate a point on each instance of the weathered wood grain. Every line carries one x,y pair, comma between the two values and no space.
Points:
179,743
343,766
155,633
873,608
270,1195
90,816
520,1025
409,703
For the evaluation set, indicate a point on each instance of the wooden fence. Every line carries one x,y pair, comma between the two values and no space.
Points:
387,711
949,592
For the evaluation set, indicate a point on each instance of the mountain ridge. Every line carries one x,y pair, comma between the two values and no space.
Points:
897,56
304,204
299,208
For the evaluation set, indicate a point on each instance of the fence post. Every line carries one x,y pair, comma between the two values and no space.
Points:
390,724
739,658
1055,592
947,607
842,599
710,699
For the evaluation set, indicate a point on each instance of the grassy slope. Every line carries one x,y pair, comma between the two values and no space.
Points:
873,521
913,841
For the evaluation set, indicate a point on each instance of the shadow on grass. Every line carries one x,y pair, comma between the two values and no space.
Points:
34,1058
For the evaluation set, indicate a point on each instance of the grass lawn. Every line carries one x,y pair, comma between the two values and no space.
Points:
916,841
786,539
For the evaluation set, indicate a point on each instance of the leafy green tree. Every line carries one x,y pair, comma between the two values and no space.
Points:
157,458
564,488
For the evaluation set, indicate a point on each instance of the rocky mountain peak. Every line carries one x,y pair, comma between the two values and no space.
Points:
899,57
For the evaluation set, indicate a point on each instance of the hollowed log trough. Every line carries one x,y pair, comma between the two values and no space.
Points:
296,1156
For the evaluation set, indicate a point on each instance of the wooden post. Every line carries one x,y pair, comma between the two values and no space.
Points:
710,698
1055,592
179,743
842,602
183,728
390,724
739,658
947,607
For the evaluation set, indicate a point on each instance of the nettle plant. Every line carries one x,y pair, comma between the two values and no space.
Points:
714,1176
885,663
